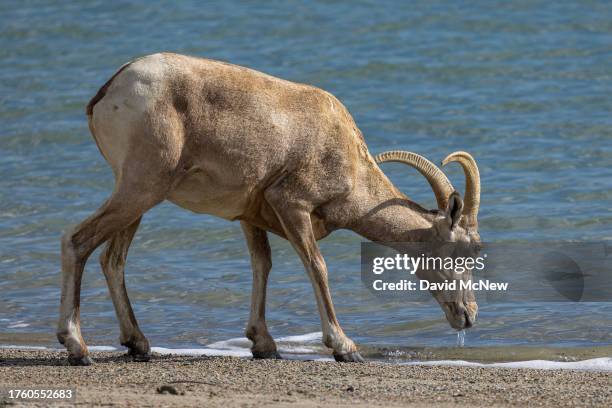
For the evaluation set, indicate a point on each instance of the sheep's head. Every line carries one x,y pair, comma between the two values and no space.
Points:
454,230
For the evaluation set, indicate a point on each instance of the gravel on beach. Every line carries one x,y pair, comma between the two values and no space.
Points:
181,381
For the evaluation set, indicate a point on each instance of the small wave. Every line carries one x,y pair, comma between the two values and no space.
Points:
241,346
18,325
303,338
15,324
13,347
102,348
203,352
595,364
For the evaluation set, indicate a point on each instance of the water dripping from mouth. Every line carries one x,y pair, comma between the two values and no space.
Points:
460,338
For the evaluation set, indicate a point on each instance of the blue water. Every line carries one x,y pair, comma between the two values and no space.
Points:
525,87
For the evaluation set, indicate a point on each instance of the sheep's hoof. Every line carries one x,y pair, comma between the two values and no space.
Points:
353,357
80,361
140,357
266,355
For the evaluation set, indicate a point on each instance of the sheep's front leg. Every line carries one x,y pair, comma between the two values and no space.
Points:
261,263
297,225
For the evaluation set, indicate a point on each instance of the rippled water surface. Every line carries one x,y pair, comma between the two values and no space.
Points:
525,87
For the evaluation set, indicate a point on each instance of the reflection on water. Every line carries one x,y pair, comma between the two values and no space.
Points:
525,87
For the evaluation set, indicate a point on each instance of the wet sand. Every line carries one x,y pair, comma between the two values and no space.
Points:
231,382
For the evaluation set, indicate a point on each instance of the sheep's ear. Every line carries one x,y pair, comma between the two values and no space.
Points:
454,209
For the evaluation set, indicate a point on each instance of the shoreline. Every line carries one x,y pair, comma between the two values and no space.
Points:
308,347
229,381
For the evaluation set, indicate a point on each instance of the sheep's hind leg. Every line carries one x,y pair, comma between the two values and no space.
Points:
126,205
112,261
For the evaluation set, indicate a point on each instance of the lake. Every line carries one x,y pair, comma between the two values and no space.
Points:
525,87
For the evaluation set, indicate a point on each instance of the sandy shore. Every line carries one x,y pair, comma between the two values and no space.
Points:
233,382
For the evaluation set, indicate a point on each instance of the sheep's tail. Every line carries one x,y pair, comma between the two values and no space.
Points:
102,91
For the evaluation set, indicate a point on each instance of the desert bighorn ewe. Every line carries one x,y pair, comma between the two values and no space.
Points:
279,156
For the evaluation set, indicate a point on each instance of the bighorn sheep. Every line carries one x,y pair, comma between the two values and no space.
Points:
279,156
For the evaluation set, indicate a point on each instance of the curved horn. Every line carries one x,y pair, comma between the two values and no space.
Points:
438,181
472,185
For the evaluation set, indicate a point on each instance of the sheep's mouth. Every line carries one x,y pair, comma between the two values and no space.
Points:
458,316
468,320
